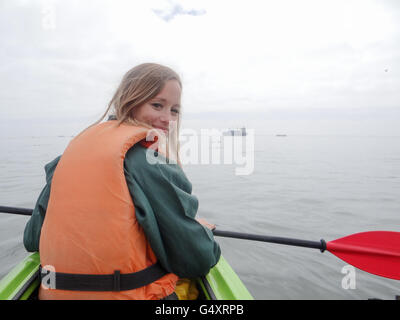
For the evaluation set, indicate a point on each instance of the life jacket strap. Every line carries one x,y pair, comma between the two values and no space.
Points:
101,282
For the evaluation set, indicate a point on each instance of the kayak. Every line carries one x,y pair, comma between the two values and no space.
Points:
221,283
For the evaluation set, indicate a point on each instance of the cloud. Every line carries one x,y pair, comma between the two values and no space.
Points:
174,9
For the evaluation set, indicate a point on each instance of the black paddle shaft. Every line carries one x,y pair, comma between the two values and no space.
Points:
12,210
321,245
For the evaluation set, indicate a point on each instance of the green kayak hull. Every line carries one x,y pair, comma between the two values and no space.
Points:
221,283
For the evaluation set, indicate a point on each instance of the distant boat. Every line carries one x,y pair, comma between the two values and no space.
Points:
235,132
280,135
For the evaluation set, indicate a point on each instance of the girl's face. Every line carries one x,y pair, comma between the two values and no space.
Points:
162,109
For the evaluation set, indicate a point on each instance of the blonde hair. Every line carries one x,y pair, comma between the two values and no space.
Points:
139,85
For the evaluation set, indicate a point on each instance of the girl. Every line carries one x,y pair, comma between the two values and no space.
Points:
116,219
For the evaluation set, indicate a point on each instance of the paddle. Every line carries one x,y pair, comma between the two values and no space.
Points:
12,210
376,252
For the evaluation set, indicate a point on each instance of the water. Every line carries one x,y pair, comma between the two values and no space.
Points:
306,187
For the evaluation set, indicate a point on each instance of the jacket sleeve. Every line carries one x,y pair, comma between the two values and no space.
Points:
166,209
34,224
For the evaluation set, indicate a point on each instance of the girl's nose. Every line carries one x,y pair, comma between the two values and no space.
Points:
166,117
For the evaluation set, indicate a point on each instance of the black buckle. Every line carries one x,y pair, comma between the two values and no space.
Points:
117,280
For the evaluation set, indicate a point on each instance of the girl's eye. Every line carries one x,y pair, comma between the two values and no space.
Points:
157,105
176,111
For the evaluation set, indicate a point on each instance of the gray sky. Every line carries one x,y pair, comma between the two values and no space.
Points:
297,67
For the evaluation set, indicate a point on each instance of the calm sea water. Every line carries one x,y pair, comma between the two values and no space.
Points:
306,187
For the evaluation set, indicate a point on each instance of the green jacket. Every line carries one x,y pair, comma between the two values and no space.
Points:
165,208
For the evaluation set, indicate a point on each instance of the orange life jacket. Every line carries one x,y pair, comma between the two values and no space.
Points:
90,225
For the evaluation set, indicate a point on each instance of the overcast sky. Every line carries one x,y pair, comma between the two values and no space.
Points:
297,67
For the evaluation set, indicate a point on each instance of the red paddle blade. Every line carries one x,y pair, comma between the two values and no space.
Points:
376,252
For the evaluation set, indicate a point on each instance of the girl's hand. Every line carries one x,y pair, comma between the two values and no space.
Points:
205,223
